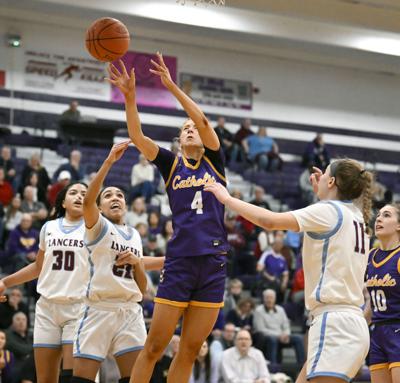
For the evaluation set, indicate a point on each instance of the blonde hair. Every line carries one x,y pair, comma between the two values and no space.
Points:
354,182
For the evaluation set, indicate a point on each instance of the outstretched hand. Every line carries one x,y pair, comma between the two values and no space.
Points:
315,177
220,192
161,70
125,82
117,151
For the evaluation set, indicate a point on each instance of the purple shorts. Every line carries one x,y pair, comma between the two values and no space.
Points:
385,346
196,281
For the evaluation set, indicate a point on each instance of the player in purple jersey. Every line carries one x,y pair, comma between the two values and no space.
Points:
383,284
193,279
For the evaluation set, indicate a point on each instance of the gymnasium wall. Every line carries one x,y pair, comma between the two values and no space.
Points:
349,100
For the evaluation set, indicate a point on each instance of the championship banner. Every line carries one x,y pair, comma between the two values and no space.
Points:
149,89
65,75
218,92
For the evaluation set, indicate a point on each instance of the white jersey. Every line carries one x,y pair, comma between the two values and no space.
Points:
335,253
65,271
109,283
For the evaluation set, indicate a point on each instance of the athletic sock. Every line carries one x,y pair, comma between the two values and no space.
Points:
76,379
66,376
124,380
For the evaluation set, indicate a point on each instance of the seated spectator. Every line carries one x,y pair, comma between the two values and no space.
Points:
262,150
272,330
243,363
233,295
7,371
34,165
307,192
137,213
73,166
242,316
12,216
39,193
166,234
143,231
161,368
142,180
225,138
148,305
72,113
237,152
6,190
13,305
226,341
151,249
205,368
19,342
264,242
64,179
316,153
7,164
259,198
274,269
22,244
37,209
28,370
154,222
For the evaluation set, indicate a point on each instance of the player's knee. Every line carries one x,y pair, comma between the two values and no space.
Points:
154,349
190,350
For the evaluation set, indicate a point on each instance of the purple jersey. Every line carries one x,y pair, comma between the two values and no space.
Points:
383,283
197,216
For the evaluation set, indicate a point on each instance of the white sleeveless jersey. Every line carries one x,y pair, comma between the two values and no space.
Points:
109,283
335,253
65,271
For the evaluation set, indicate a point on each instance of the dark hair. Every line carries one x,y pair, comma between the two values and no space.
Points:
163,230
197,367
98,199
59,209
353,182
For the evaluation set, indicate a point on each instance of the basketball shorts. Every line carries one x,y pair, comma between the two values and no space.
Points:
109,329
385,346
338,343
196,281
55,323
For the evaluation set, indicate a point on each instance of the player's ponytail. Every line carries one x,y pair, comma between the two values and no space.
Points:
58,209
354,182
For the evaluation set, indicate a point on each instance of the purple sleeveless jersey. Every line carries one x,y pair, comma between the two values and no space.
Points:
383,283
197,216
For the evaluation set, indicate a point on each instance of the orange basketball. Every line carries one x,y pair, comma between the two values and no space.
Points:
107,39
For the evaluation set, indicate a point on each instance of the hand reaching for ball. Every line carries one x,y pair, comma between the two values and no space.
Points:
123,81
161,70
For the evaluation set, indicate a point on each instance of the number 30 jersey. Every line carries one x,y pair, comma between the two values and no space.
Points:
197,216
109,283
65,271
383,284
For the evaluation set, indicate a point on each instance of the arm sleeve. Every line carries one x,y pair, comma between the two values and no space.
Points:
164,161
217,158
94,232
320,217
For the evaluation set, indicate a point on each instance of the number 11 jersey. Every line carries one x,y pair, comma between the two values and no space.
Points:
65,271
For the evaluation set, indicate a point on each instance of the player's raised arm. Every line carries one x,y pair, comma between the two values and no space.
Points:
90,209
206,132
126,83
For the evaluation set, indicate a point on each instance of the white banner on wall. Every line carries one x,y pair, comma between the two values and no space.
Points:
218,91
65,75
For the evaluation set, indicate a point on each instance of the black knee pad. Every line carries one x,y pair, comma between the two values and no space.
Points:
76,379
65,376
124,380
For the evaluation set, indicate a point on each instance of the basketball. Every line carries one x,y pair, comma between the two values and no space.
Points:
107,39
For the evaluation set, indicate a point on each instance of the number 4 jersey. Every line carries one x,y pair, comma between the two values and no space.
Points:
383,283
65,270
197,216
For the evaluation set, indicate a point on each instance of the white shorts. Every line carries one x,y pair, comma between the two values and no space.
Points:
104,330
55,323
338,343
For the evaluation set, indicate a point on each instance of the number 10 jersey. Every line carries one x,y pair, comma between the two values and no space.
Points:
65,271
